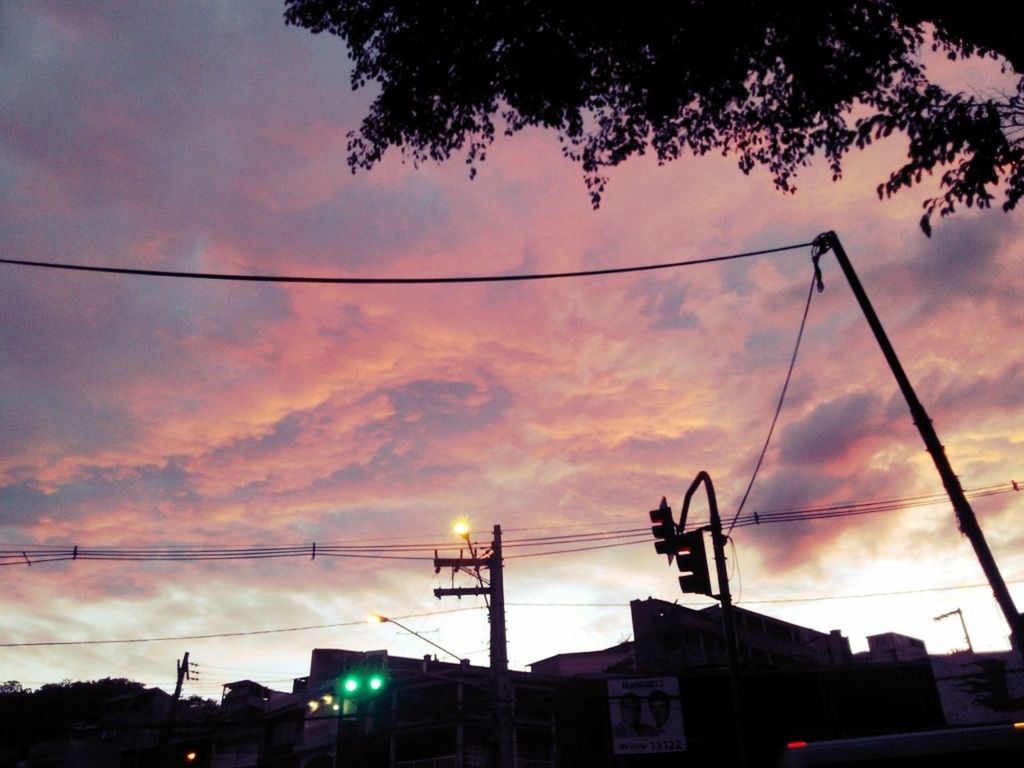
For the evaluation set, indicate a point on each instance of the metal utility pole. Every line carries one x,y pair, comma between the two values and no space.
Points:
724,596
966,519
501,684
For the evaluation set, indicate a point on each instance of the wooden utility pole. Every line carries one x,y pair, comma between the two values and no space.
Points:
501,690
166,731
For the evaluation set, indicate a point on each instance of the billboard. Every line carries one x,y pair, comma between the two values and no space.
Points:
646,716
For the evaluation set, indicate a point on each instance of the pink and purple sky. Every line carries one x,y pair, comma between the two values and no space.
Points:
141,412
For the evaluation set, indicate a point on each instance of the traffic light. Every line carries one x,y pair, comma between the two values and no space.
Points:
362,683
692,561
664,530
365,678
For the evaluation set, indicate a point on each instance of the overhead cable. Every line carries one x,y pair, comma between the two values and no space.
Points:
247,633
29,555
396,280
815,280
763,601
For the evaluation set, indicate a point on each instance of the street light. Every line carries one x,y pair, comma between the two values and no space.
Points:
461,529
376,618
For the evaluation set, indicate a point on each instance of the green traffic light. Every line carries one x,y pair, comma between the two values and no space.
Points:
359,684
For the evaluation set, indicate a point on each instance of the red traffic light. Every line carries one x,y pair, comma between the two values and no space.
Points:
692,561
664,530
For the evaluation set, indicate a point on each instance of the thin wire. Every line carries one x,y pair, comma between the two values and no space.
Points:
893,593
552,540
778,408
644,540
864,508
27,554
223,634
396,280
924,498
736,569
566,605
31,555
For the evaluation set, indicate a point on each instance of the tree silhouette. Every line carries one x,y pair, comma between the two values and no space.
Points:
28,716
773,84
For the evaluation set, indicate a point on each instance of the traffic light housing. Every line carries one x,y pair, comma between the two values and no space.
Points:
664,530
362,683
692,561
365,678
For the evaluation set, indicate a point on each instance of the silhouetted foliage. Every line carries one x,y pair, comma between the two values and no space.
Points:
197,707
771,83
30,716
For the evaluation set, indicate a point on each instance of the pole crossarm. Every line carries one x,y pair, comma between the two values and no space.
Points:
460,591
462,562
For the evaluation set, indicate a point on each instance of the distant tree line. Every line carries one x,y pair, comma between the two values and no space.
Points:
47,713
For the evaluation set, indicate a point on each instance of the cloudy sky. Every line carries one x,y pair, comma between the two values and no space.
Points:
144,412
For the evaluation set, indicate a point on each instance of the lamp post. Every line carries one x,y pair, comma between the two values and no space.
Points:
376,618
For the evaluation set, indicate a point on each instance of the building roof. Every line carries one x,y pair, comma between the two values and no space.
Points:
618,657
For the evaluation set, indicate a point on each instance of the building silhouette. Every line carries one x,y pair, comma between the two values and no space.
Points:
797,683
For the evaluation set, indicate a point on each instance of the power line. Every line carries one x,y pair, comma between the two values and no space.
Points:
779,600
246,633
397,280
541,546
868,507
892,593
916,500
800,515
815,280
762,601
568,605
574,537
644,539
33,554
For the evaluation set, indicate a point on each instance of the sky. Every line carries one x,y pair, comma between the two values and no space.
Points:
140,412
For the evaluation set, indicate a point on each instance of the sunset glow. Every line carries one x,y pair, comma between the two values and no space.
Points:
297,425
